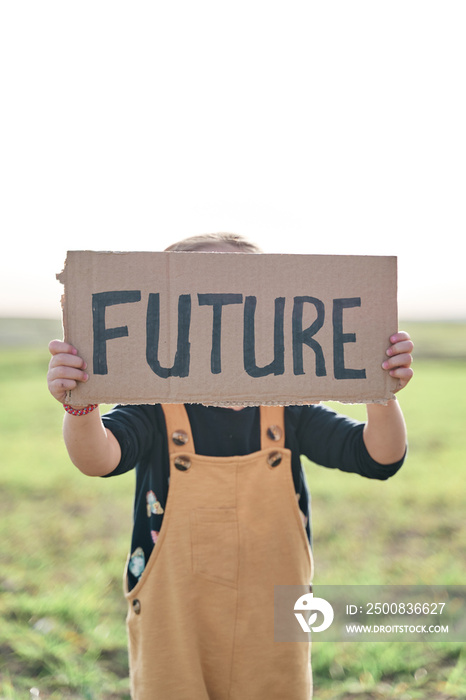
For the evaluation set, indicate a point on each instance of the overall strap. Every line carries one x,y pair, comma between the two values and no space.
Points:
272,426
179,433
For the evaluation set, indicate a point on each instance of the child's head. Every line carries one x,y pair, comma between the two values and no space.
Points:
216,242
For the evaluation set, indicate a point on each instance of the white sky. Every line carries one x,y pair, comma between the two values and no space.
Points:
312,127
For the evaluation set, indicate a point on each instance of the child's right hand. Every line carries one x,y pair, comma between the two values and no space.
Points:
66,369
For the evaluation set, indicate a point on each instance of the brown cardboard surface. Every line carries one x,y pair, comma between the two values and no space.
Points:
230,328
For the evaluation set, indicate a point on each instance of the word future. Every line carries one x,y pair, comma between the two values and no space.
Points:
300,336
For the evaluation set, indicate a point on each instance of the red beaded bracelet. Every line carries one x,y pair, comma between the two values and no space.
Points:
80,411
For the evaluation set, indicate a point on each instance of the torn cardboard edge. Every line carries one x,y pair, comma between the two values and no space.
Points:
233,404
233,329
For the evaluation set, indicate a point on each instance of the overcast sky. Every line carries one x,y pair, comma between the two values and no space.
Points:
312,127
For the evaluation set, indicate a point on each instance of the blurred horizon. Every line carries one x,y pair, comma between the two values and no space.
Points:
402,319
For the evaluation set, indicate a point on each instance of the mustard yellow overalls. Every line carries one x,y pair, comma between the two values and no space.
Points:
201,618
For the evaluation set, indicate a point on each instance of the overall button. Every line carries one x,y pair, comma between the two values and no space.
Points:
136,606
179,437
182,463
275,432
274,459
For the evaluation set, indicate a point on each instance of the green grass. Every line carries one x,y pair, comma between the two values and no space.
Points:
64,538
408,530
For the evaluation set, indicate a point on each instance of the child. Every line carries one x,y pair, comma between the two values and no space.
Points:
228,486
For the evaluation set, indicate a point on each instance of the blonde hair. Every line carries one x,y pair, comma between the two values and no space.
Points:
209,240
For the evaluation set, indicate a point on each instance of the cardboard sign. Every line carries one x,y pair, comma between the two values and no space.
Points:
230,328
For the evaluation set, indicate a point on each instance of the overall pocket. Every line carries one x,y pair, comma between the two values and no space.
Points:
215,544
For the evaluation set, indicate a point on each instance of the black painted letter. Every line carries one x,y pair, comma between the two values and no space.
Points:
340,338
217,301
182,356
100,301
304,337
277,366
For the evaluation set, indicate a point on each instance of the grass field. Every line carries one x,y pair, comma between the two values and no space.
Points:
64,537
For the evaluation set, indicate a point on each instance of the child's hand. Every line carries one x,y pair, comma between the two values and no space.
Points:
66,369
400,358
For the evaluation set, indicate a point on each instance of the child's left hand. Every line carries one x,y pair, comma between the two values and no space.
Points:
400,358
